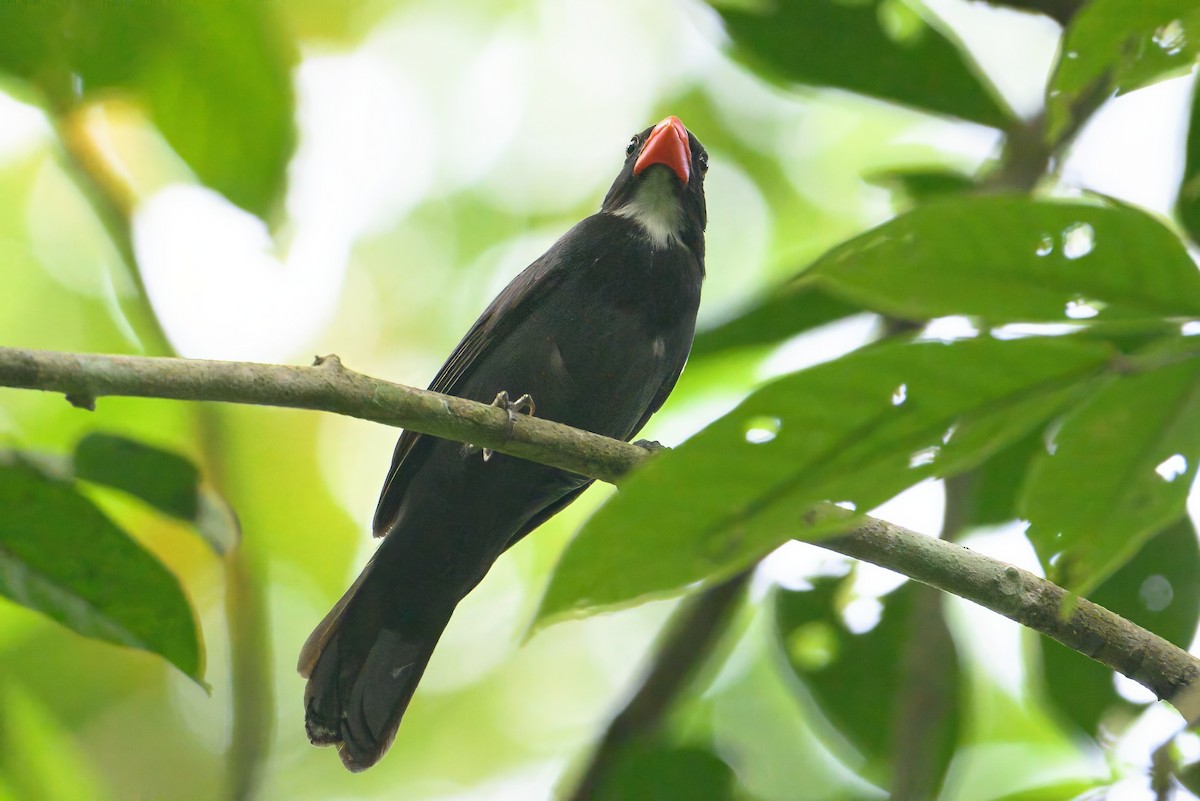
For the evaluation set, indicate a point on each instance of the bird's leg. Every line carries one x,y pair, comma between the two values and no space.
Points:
513,408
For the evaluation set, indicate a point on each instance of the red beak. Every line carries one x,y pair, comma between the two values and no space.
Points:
667,144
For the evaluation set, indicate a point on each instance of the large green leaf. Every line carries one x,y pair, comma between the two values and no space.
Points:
62,556
841,669
993,489
1159,589
858,429
880,48
1121,45
1010,258
215,78
1117,471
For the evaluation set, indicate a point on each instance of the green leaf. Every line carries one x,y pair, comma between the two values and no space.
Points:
165,480
858,429
1117,471
841,670
994,488
1189,777
1070,790
789,310
883,49
61,556
1121,45
1008,258
1159,589
922,185
1187,205
214,77
660,772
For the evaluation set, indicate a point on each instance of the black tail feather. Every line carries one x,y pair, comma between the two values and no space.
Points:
363,666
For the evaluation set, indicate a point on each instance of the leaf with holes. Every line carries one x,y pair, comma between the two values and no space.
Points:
858,429
61,556
1121,45
1008,258
1117,471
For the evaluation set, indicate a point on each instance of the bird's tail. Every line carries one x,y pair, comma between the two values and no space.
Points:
363,663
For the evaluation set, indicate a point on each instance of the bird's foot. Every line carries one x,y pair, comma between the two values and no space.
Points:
651,445
513,408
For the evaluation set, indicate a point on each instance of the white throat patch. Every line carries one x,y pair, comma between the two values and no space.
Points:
656,209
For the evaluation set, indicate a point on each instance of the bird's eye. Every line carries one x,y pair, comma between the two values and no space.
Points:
703,159
632,146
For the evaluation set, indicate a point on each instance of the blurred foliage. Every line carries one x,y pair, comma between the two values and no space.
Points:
667,773
1188,204
1117,471
1159,589
393,164
214,78
858,678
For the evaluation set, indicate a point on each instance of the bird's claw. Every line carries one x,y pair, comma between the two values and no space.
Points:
651,445
513,408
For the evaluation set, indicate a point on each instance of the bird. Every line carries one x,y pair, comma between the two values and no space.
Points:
593,334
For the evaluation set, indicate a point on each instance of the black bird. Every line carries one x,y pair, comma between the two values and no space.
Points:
596,332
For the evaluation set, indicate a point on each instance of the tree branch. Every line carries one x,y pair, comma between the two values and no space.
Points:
1169,672
326,387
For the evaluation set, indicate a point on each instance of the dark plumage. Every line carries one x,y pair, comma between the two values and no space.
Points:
596,331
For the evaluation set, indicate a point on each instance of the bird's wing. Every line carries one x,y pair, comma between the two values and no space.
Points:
506,313
656,403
